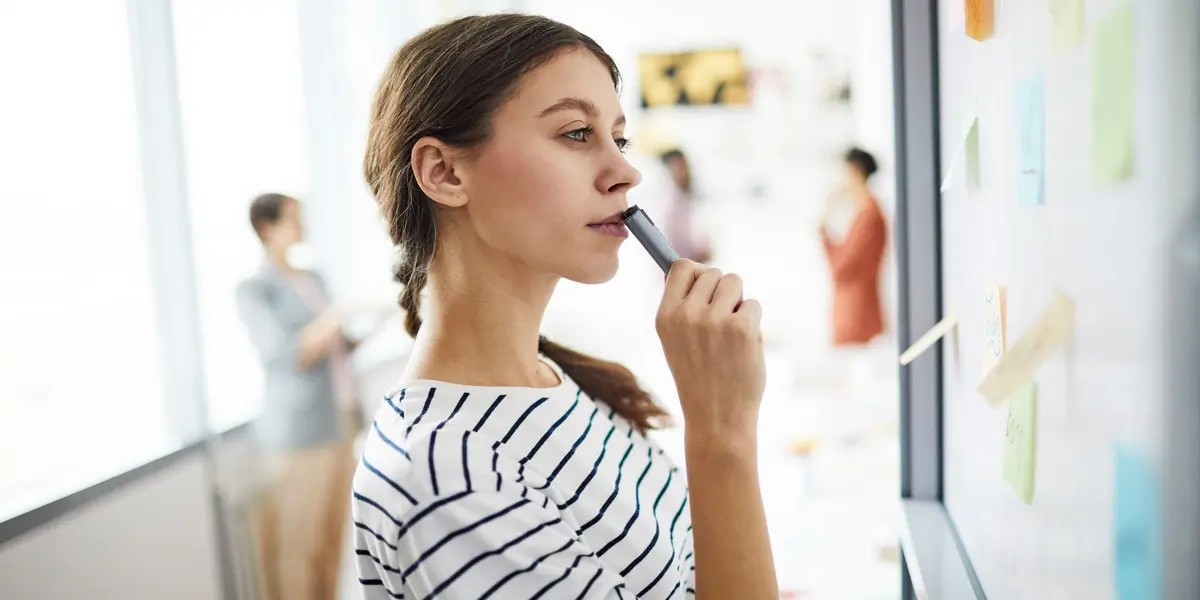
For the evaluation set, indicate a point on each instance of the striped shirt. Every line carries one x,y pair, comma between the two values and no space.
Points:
517,493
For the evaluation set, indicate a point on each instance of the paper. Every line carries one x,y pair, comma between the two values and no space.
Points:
1031,126
994,313
1137,527
1020,441
1066,24
980,15
1055,325
930,338
957,16
968,145
971,150
1112,96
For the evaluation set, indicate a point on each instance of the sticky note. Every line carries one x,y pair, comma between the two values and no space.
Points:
1020,441
1053,328
1137,527
1031,129
1112,96
994,312
956,17
980,16
971,150
931,337
1066,24
968,146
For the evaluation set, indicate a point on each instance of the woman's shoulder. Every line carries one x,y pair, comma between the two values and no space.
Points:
424,424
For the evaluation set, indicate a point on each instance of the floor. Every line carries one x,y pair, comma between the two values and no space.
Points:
829,446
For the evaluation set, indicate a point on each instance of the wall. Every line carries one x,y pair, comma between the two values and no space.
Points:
153,539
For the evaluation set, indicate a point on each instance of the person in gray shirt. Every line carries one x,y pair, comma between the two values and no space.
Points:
308,420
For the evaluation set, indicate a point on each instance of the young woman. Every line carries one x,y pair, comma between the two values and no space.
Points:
679,221
309,407
854,262
505,465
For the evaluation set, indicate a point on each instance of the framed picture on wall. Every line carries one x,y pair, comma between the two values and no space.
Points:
709,77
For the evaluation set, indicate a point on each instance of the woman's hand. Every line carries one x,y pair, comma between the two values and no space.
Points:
713,345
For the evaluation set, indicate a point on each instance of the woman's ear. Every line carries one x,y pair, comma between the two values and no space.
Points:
434,165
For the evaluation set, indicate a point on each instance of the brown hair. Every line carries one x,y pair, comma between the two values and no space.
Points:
448,82
266,209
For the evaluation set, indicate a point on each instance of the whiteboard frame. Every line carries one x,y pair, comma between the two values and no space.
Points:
934,564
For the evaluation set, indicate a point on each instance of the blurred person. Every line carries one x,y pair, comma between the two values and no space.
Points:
855,261
310,409
679,224
505,465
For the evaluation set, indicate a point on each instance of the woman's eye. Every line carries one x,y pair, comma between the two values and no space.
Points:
623,144
579,135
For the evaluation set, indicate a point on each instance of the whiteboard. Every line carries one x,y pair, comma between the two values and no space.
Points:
1103,246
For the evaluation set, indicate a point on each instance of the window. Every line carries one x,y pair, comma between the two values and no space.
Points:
81,391
242,103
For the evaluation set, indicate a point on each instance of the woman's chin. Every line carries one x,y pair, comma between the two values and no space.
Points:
600,271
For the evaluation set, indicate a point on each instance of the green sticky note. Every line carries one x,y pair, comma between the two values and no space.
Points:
1112,96
1066,24
1020,441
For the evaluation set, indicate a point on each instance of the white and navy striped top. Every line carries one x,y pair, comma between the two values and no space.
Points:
522,493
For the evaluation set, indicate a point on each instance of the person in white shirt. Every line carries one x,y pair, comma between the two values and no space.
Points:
504,465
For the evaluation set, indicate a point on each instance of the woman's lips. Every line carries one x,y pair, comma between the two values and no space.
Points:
616,229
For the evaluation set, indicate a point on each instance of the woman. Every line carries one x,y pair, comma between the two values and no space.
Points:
680,223
855,261
309,403
505,465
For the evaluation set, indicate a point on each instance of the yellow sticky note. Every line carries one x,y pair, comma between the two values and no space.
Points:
1066,24
930,338
1112,96
994,313
1020,441
980,17
1052,329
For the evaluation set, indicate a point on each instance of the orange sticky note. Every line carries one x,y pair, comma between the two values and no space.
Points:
994,317
980,18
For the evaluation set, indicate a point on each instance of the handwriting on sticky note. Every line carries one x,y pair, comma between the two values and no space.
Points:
1066,24
994,312
980,17
931,337
1137,527
1020,441
1031,127
1053,328
1112,96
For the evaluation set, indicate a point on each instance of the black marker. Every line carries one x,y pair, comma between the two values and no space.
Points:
650,237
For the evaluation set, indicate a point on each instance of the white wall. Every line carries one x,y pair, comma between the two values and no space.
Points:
153,539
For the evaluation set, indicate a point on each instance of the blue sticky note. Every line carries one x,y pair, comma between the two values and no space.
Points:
1137,527
1031,126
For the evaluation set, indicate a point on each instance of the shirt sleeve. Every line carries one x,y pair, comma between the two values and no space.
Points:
276,345
859,250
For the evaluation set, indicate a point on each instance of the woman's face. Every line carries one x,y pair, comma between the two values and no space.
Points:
852,176
288,230
553,171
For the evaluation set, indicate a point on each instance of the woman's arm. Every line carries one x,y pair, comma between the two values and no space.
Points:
713,344
729,523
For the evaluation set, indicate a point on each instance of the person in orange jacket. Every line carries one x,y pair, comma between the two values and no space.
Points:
855,261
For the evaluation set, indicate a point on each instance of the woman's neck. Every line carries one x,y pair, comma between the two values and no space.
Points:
278,257
482,325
